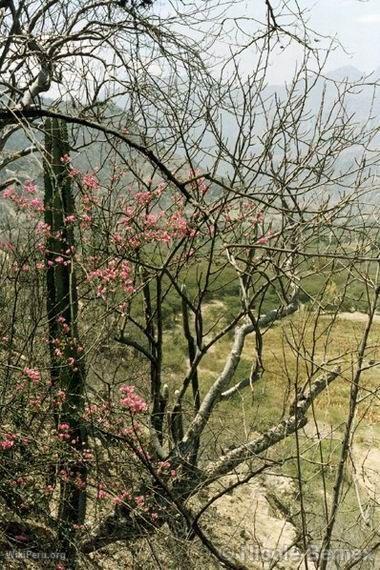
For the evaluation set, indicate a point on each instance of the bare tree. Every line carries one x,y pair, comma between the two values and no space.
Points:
216,231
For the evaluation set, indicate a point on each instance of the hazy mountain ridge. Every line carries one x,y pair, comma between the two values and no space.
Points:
361,102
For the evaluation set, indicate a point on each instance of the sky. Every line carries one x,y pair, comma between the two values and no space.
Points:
356,23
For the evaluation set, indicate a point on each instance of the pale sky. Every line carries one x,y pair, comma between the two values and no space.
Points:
356,23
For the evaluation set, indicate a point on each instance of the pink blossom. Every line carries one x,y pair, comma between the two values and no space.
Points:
87,454
101,494
101,292
33,374
7,444
143,198
8,192
63,426
163,466
140,501
134,242
122,498
159,235
151,220
132,401
111,275
74,172
30,187
90,181
86,219
60,397
64,436
179,225
37,205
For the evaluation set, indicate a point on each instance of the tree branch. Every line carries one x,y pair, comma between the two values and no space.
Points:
221,384
12,115
137,346
285,428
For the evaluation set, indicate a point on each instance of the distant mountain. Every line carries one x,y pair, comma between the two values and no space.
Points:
346,73
360,103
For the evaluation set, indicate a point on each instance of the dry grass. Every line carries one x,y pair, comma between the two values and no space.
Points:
295,350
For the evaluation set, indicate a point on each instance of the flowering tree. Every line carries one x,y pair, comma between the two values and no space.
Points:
142,279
